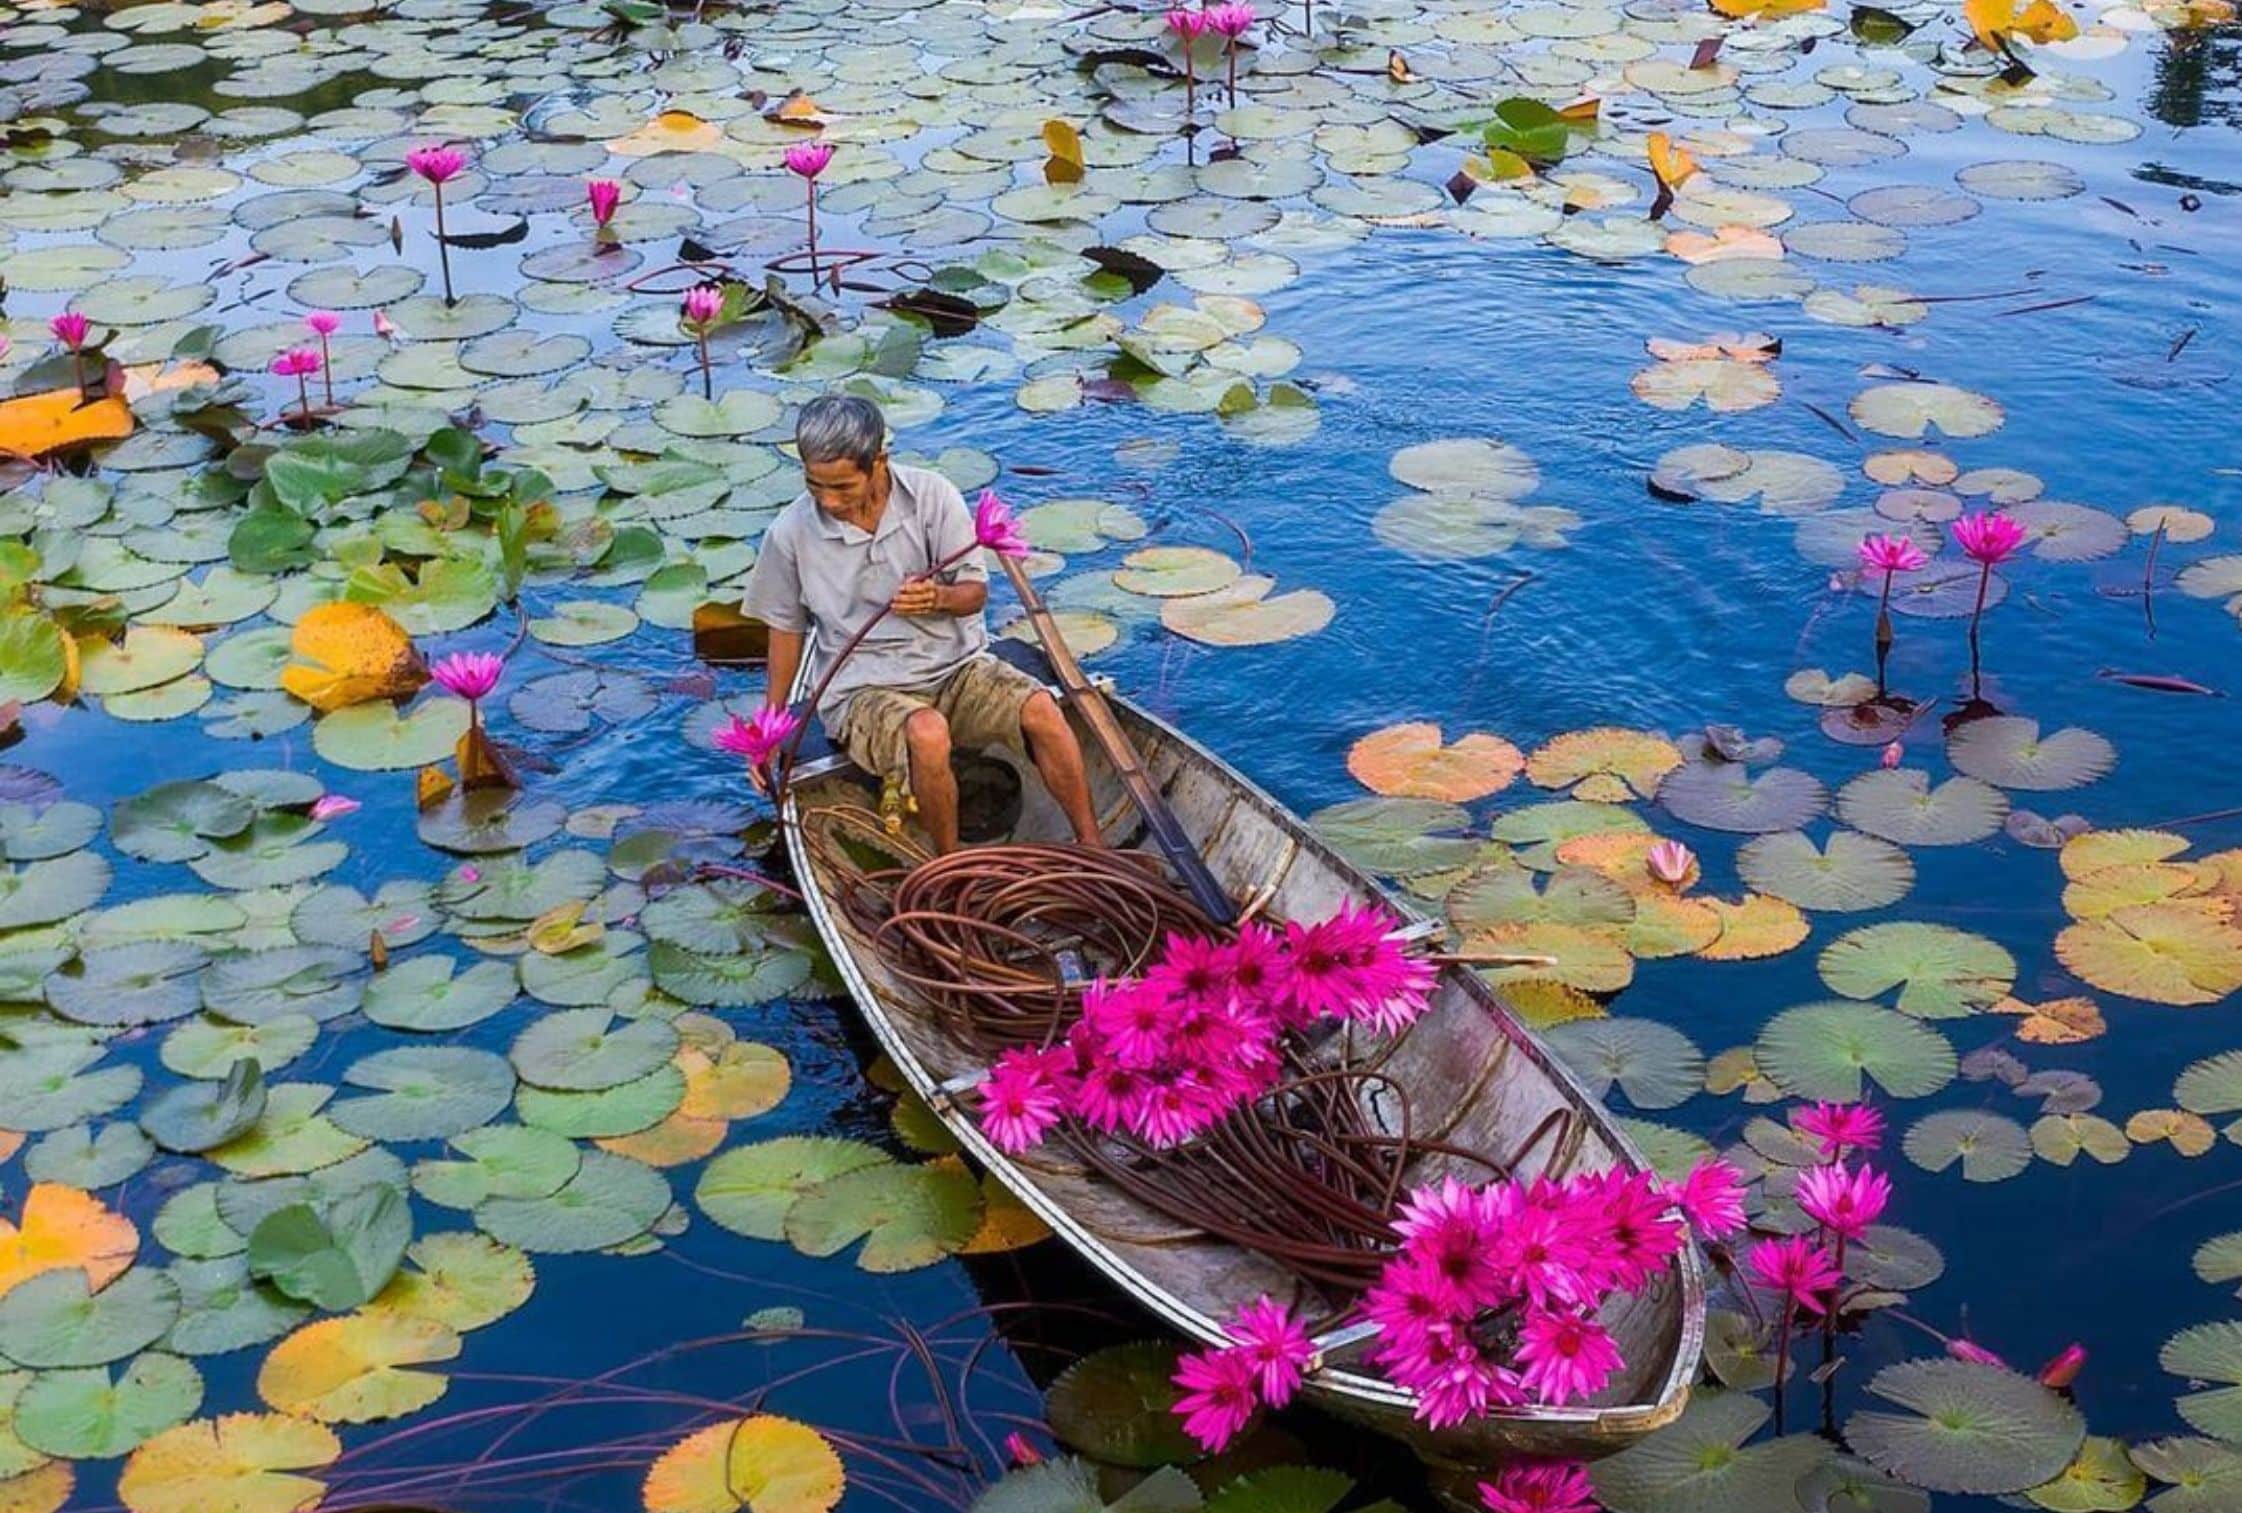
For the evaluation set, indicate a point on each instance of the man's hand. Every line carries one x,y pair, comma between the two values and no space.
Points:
918,596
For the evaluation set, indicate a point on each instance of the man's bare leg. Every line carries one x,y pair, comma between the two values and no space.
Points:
1058,756
926,735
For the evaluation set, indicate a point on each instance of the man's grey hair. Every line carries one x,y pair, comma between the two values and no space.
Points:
840,428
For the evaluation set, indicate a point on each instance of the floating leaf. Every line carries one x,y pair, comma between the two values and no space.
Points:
1605,764
88,1415
240,1463
198,1116
2059,1021
1913,410
335,1257
1851,871
2164,953
461,1280
1942,973
54,1319
1117,1404
908,1216
1825,1050
2203,1475
63,1229
357,1369
1729,796
1900,805
1245,613
1971,1428
2189,1134
749,1189
1701,1462
1989,1147
348,653
376,738
1409,761
763,1464
2009,752
1654,1064
2209,1353
609,1201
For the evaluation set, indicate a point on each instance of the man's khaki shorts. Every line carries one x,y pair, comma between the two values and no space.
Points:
981,700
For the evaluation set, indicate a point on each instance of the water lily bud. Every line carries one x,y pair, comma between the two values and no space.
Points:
1976,1355
1669,862
1891,756
2065,1368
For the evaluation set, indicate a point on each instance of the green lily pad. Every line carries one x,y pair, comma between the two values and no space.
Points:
1899,804
208,1048
87,1414
1989,1147
40,893
31,833
223,1308
2202,1475
2205,1353
1941,972
192,1117
1654,1064
622,1110
51,1321
749,1188
1913,410
423,993
1826,1050
609,1201
1701,1463
55,1085
334,1256
291,1137
425,1092
315,982
376,738
147,982
1118,1406
89,1158
1397,837
2009,752
907,1216
727,981
502,1161
1848,872
2100,1479
588,1050
1969,1428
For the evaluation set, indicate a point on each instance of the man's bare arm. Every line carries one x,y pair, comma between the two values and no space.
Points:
925,596
785,662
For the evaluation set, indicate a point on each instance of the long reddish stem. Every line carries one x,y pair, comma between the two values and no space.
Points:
303,398
1782,1357
443,248
327,369
1984,581
708,384
1883,631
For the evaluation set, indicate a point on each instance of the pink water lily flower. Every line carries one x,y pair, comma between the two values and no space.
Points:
322,322
1991,538
2062,1371
1566,1356
1020,1100
1891,554
1218,1397
1840,1127
1540,1487
1976,1354
703,303
1799,1269
69,328
296,362
603,195
1844,1202
996,527
1711,1198
808,159
1232,21
1187,24
1669,861
469,674
760,738
332,806
1277,1343
436,163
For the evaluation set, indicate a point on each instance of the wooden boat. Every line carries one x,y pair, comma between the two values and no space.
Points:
1472,1068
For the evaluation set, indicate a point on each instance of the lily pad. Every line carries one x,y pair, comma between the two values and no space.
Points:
1899,804
1850,871
1655,1065
1968,1428
1827,1051
907,1216
609,1201
334,1256
1989,1147
1942,973
1729,796
2009,752
1117,1404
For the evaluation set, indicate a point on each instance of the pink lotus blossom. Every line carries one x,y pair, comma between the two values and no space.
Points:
2065,1368
1192,969
1277,1344
1455,1379
1844,1202
1799,1269
1455,1232
1669,862
1187,24
332,806
995,527
1991,538
469,674
1218,1399
1711,1198
1891,554
760,738
1540,1487
1567,1356
1633,1228
1840,1127
296,362
703,304
1546,1250
1253,960
436,163
1131,1021
1232,21
808,159
323,322
603,195
1021,1100
1976,1354
1891,756
69,328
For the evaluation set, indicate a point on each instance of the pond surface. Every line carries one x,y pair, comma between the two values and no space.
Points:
2054,253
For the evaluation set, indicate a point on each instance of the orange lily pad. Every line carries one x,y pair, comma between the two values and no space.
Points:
347,653
1605,764
1409,761
764,1464
1755,926
64,1228
2190,1134
2059,1021
57,419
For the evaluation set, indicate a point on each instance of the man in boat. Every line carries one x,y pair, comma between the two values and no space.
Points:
867,534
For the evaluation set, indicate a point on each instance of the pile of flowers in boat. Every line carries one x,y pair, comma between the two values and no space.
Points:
1491,1296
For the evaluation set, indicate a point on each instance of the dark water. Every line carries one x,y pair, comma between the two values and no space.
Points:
1657,616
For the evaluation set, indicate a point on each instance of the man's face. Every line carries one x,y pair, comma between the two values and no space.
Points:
843,487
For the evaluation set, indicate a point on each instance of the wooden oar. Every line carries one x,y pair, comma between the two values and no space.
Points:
1167,831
